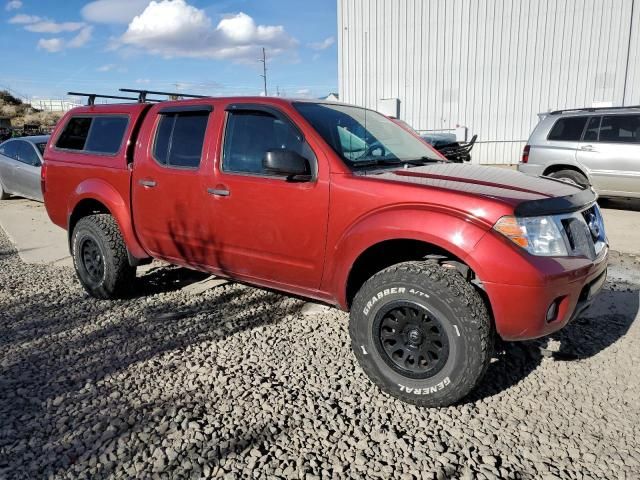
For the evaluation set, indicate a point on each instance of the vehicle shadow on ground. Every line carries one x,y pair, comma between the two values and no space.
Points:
46,383
165,278
608,319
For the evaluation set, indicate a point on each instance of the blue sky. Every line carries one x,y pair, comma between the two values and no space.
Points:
203,46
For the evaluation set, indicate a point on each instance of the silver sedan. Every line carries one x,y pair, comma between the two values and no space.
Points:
20,164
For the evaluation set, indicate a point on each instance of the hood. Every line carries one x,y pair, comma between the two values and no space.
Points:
526,194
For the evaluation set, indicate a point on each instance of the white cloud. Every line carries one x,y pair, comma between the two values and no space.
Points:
81,39
173,28
323,45
106,68
23,19
113,11
13,5
143,81
48,26
51,44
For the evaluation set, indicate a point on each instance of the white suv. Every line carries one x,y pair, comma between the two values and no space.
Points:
597,146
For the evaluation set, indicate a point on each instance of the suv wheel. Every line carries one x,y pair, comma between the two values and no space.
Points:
421,333
571,176
3,195
100,257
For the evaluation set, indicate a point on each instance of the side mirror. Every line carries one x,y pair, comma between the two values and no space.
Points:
287,163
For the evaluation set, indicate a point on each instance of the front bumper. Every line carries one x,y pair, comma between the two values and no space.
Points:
522,287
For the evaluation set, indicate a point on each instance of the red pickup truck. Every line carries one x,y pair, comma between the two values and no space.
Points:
334,203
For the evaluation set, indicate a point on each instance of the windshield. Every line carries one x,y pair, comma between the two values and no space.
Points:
364,137
41,147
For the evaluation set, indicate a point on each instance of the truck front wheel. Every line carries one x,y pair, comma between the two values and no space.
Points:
100,257
421,333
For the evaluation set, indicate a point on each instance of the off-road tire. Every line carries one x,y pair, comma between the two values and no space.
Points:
571,176
3,195
461,313
102,231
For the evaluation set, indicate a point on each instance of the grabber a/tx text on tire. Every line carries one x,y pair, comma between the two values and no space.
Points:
421,333
100,257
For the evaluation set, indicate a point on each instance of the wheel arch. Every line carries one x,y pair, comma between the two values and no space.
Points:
96,196
563,166
382,240
386,253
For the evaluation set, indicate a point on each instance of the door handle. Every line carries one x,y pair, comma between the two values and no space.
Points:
587,148
219,192
148,183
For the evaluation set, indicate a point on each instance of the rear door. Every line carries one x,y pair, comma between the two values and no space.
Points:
169,194
270,229
26,175
611,152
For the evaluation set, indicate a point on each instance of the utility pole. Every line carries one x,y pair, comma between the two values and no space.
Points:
264,69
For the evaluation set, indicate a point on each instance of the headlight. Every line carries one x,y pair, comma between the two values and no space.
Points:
537,235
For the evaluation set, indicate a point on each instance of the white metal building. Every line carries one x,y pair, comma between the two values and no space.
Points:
490,65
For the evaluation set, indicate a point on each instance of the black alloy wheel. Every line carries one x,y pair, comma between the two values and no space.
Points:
411,339
93,260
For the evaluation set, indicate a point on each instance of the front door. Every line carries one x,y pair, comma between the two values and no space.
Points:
271,228
611,151
169,194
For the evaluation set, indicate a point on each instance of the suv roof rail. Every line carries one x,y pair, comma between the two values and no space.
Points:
142,94
91,97
591,109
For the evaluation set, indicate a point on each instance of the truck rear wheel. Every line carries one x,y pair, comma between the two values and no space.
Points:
100,257
421,333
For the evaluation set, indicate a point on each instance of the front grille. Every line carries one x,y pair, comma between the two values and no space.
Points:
584,232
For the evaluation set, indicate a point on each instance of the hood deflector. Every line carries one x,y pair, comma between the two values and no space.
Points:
554,205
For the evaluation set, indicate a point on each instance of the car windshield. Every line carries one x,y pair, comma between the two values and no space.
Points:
364,137
41,147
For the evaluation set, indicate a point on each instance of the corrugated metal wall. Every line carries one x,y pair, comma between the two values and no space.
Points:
491,65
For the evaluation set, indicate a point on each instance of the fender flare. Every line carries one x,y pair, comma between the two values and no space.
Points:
446,229
107,195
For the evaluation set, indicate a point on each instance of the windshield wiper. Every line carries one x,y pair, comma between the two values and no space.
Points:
421,161
376,162
394,161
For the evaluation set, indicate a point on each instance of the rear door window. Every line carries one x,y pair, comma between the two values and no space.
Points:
620,129
179,138
591,133
568,129
101,134
27,154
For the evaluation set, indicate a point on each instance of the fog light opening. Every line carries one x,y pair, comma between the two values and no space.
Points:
552,311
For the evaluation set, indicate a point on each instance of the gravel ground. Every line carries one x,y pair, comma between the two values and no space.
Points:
240,382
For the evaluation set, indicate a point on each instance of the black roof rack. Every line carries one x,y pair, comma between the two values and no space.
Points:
591,109
91,97
142,94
